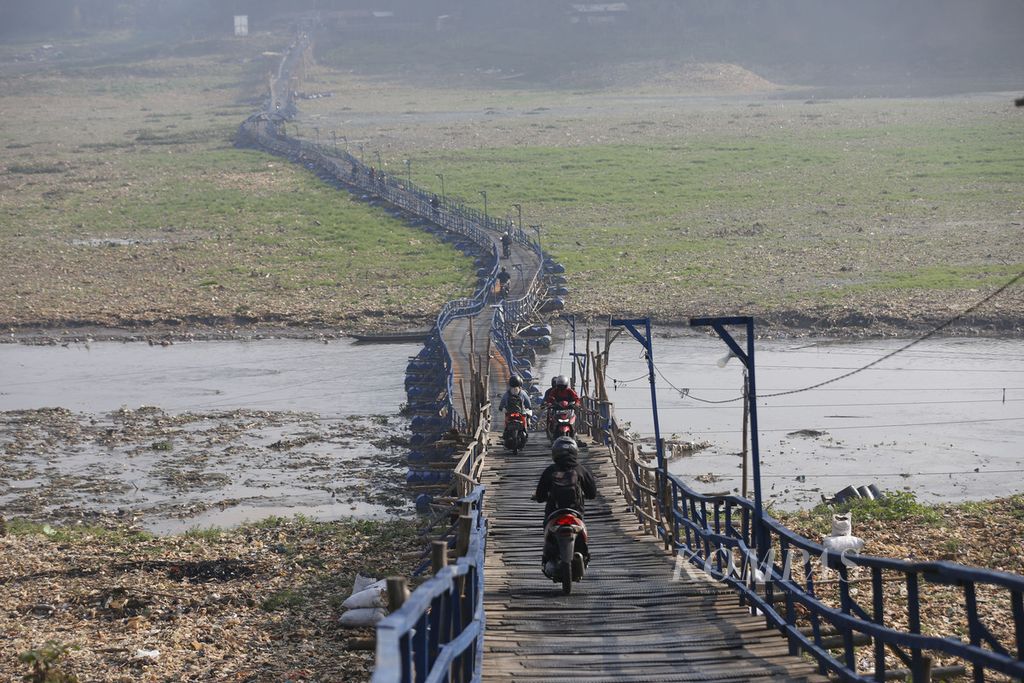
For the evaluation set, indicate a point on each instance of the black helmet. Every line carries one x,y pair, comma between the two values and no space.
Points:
514,381
564,446
561,381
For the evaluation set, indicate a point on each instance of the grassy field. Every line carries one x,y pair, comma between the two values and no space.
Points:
791,220
903,209
687,191
124,201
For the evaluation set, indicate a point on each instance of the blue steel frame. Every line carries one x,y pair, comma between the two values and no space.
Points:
645,341
710,531
733,541
747,358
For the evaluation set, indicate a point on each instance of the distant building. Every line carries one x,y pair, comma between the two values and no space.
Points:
241,25
360,19
597,12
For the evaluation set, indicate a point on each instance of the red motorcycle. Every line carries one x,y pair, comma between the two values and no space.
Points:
561,421
515,434
565,536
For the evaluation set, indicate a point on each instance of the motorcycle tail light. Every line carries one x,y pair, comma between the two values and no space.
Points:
566,520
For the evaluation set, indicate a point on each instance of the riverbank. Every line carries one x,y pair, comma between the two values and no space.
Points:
843,324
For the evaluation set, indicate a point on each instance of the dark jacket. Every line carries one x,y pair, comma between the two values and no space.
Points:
567,462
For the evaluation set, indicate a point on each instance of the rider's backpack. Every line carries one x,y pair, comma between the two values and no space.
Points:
565,489
514,404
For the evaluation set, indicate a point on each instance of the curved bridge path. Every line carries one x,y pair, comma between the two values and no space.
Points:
522,264
628,620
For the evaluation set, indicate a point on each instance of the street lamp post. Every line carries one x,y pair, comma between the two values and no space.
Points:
380,164
536,229
334,139
408,171
440,176
316,129
483,193
361,159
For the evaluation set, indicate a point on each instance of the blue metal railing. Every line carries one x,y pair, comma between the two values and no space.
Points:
437,634
717,533
707,538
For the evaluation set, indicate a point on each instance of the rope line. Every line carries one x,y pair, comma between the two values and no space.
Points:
882,474
837,428
928,335
840,405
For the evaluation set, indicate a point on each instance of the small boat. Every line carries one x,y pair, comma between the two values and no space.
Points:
393,337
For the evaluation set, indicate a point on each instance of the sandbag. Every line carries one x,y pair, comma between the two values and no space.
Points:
362,583
368,616
374,595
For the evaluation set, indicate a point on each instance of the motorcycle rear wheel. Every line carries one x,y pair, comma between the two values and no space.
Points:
566,569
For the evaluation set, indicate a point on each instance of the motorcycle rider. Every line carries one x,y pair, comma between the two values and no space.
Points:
560,391
515,398
503,279
506,244
564,484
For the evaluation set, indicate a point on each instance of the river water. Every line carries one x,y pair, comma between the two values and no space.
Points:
243,430
340,378
944,419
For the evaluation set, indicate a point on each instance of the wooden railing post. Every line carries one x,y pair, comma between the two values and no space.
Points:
464,531
438,555
665,505
398,591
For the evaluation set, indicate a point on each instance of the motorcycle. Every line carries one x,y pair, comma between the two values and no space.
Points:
506,249
561,421
515,434
501,290
565,536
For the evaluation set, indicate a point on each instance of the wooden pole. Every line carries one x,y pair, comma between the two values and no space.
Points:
586,377
462,539
926,669
465,408
398,591
438,556
665,500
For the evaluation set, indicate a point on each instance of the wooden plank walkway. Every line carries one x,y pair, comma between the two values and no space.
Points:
456,333
627,620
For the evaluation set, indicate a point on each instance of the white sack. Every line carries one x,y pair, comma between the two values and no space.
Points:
368,616
362,583
374,595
